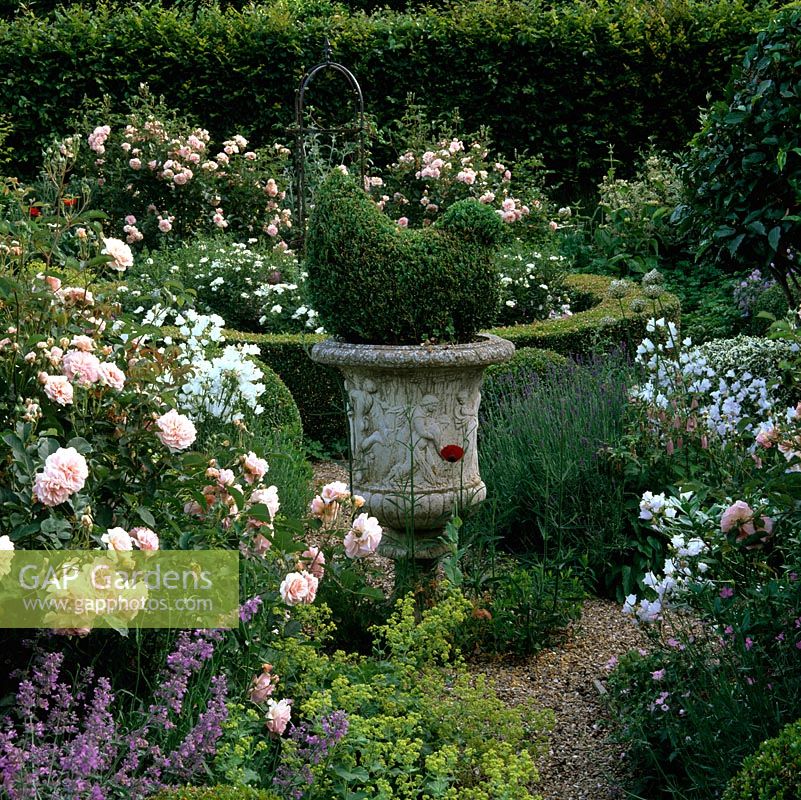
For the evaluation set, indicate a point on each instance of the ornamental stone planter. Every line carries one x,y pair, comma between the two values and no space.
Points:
405,404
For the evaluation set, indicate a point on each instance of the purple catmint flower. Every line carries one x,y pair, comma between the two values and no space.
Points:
250,608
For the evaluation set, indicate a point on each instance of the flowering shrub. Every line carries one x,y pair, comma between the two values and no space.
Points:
420,185
160,178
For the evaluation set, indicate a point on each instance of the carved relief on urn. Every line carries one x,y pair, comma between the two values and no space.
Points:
406,405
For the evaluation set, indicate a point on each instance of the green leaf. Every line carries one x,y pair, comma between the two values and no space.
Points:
80,444
774,237
350,775
146,516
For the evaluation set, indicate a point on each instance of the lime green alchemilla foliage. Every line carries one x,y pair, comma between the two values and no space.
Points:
773,772
372,281
745,164
421,724
214,793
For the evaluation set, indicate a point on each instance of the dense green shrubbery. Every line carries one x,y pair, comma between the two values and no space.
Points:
214,793
371,281
773,772
564,67
745,162
523,367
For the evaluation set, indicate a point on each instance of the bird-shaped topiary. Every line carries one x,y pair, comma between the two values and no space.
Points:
374,282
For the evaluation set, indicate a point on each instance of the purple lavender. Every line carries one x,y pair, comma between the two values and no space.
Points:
249,609
312,749
748,290
62,740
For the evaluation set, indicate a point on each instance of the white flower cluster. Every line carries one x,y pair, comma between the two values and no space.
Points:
728,402
680,517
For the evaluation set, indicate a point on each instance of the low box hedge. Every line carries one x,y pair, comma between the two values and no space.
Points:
607,323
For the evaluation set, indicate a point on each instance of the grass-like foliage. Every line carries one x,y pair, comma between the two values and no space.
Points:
374,282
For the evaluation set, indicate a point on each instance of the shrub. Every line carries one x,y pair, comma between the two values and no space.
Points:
675,51
773,772
549,489
761,357
440,283
745,162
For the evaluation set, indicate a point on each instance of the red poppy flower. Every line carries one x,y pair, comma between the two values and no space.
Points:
34,212
69,202
452,453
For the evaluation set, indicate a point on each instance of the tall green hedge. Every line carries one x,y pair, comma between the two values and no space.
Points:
561,79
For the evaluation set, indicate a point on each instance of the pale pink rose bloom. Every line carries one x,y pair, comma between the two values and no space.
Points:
271,229
278,715
363,538
255,468
250,155
316,562
135,163
112,376
130,220
358,501
80,367
54,284
226,477
486,198
117,539
403,222
267,497
48,491
144,538
165,226
74,295
553,225
261,543
121,255
336,490
175,431
85,343
767,438
737,514
59,389
69,467
271,189
509,216
181,178
298,587
54,356
263,685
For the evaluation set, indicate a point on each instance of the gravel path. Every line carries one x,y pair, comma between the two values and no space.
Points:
582,762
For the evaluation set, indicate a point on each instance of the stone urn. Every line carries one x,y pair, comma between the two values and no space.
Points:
413,417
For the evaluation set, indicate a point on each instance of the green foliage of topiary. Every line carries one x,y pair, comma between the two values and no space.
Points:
772,301
371,281
214,793
773,772
745,163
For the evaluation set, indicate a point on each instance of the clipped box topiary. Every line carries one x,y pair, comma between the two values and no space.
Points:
773,772
376,283
407,306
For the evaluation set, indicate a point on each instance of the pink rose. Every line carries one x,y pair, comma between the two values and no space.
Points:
736,515
336,490
112,376
65,473
59,389
117,539
363,538
271,230
226,477
267,497
263,685
165,226
145,539
74,295
176,431
54,284
768,438
403,222
135,163
278,715
261,544
298,587
84,343
81,367
255,468
326,512
121,255
316,562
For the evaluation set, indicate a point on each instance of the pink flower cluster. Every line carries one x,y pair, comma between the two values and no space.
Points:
299,587
263,685
97,139
119,253
326,505
740,517
363,537
65,473
278,715
175,431
123,541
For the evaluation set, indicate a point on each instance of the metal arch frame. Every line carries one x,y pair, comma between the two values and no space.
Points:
300,130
